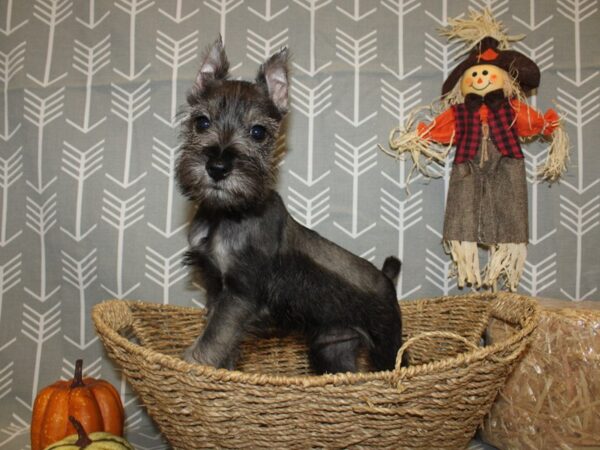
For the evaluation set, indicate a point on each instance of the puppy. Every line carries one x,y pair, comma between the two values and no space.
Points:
262,270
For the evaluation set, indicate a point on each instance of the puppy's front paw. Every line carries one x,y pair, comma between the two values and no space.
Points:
190,354
197,354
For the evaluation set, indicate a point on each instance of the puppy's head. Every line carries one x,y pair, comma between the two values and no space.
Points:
229,135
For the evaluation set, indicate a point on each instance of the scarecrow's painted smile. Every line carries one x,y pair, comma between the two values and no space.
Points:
478,89
482,79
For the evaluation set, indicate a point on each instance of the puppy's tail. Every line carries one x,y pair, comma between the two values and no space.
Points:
391,268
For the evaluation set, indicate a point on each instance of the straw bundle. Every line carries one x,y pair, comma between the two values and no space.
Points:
552,399
476,26
558,156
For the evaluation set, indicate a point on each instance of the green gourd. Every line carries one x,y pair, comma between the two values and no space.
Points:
99,440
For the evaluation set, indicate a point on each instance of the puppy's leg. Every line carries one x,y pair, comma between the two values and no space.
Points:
386,337
334,350
224,331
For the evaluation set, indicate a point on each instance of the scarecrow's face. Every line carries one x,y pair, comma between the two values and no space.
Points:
482,79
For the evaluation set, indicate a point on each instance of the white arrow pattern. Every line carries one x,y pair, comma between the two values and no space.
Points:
17,427
310,212
89,61
401,215
133,8
41,218
438,272
580,112
129,106
163,160
497,7
268,14
165,271
41,112
81,165
81,274
11,170
175,54
8,27
92,21
91,94
40,328
400,8
539,277
579,220
311,102
121,215
260,48
531,23
10,276
11,63
179,16
52,13
356,53
355,161
578,11
223,8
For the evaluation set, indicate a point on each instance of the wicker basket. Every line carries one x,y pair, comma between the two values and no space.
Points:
274,401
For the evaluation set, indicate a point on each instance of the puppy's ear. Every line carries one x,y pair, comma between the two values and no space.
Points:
273,74
215,65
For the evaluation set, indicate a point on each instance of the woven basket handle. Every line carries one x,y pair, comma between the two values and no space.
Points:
112,316
438,334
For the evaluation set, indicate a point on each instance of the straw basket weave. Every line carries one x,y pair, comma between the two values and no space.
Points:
274,400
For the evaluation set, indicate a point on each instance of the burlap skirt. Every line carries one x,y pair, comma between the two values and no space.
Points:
487,202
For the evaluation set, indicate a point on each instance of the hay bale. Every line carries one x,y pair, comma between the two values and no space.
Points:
552,399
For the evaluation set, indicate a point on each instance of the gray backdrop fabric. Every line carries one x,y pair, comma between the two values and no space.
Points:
88,140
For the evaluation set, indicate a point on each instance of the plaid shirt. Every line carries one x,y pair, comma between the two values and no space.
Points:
468,131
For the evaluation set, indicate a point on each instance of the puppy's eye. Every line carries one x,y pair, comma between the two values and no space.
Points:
202,123
258,133
485,72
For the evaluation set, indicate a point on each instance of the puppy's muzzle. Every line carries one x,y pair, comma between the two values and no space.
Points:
219,166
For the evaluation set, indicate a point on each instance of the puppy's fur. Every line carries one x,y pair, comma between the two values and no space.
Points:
263,272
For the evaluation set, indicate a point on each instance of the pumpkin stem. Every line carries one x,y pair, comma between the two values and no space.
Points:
78,377
83,440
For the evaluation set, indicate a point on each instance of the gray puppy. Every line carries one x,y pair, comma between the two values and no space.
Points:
264,272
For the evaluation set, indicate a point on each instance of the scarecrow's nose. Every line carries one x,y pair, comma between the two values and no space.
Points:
479,80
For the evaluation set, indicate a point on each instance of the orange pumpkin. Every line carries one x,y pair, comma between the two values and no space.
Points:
94,403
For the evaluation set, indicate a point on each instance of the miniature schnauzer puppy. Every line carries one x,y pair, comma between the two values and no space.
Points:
262,270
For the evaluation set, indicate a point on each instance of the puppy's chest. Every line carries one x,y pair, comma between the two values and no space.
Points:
222,250
223,245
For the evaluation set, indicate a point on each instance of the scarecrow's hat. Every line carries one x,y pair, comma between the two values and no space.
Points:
489,45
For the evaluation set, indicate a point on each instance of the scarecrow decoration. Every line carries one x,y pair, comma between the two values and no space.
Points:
484,113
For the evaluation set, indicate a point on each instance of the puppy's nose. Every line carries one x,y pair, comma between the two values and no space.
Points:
218,168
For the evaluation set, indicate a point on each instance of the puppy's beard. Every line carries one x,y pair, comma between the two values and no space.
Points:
234,193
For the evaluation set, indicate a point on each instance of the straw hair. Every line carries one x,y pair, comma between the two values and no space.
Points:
506,264
465,256
478,25
405,139
275,401
558,156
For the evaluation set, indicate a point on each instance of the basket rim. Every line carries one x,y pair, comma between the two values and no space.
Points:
306,381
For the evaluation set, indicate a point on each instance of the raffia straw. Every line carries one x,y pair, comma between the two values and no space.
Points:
558,156
405,139
465,257
476,26
552,399
506,264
